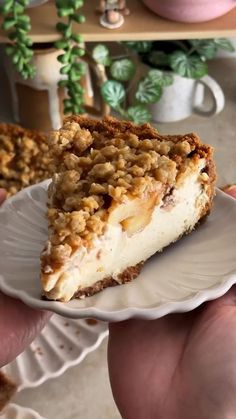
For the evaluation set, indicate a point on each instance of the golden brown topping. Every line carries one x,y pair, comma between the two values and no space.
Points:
24,158
61,253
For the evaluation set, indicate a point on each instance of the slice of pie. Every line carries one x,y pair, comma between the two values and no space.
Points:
120,193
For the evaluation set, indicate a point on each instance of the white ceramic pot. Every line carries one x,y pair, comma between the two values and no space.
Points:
186,97
183,98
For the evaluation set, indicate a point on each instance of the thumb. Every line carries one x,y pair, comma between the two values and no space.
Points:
229,299
230,190
19,325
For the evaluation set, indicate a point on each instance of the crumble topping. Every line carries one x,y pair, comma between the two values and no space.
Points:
97,169
24,158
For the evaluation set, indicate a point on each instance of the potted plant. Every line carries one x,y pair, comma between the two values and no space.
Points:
120,71
168,83
50,76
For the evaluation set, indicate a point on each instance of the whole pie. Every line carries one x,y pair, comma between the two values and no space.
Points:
120,193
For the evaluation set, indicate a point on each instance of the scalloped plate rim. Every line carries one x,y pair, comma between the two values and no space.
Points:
149,313
21,410
66,366
85,351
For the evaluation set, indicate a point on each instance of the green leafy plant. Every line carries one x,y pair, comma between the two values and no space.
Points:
120,72
17,24
185,58
71,44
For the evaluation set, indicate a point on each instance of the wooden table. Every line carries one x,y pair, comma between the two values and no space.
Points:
142,24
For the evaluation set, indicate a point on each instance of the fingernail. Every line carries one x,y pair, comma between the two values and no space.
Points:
231,190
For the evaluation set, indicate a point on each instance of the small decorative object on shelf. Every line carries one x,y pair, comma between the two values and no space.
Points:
113,12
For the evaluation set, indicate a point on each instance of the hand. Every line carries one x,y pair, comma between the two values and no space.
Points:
19,324
182,366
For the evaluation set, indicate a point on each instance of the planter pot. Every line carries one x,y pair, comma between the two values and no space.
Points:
38,102
32,3
190,10
184,98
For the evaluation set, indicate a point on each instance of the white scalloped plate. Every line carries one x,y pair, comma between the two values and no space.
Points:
14,411
62,344
200,267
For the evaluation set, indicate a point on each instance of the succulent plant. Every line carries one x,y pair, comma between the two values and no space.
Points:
71,44
17,25
19,48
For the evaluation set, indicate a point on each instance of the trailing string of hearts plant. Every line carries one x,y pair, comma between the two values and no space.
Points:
20,46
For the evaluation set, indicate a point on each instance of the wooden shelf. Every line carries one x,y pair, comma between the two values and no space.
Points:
140,25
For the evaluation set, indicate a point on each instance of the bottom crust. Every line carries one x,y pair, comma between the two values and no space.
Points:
129,273
126,276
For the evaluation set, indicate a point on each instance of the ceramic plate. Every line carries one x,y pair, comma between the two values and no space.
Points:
200,267
62,344
13,411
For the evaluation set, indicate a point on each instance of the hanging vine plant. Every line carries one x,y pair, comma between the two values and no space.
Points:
17,25
71,44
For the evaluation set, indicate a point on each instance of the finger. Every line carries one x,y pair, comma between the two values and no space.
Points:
19,325
3,195
231,190
228,300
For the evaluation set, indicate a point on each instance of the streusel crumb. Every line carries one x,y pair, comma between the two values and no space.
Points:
24,158
98,164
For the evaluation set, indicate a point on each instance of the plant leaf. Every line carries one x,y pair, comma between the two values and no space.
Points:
148,91
78,18
190,66
8,23
224,43
139,46
101,54
77,38
160,78
113,93
139,114
159,59
206,48
123,70
65,11
61,44
6,8
18,8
